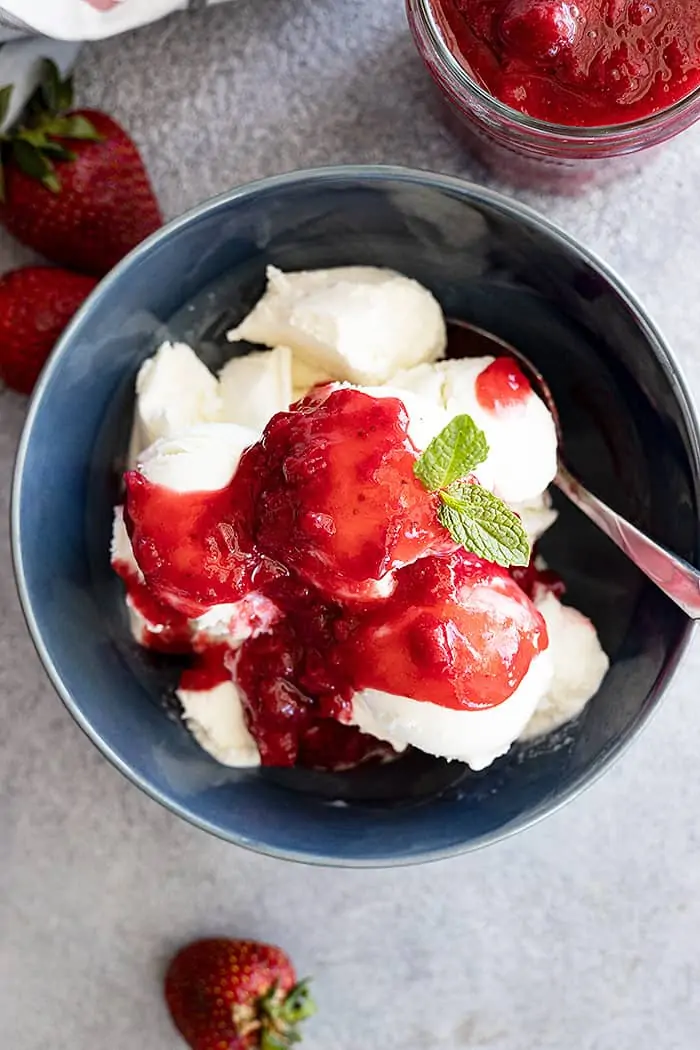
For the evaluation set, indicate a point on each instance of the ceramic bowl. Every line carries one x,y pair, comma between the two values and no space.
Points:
629,430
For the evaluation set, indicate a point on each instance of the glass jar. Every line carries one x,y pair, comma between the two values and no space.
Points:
529,151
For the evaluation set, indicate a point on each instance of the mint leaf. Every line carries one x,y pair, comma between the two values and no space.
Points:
455,452
484,525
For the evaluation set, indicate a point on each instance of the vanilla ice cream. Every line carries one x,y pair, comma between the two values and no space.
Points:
556,688
255,386
174,391
216,720
474,737
203,458
359,323
578,666
522,438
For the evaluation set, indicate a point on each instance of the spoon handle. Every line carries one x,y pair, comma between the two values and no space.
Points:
674,576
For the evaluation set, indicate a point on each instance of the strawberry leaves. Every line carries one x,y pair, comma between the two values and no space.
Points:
5,100
32,143
74,126
474,517
281,1015
35,163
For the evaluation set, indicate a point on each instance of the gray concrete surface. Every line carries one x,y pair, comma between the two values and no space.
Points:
583,933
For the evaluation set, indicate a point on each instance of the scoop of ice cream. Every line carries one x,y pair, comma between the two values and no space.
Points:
152,624
255,386
215,718
187,507
155,626
201,458
579,666
474,737
519,428
174,391
357,323
537,515
458,633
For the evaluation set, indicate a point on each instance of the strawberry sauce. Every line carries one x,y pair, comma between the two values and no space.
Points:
502,385
297,703
578,62
337,500
534,581
208,669
195,548
166,629
326,520
458,632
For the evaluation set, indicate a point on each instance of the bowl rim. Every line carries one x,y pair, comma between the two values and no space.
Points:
360,173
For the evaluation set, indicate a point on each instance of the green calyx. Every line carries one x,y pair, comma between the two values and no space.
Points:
475,518
32,142
274,1018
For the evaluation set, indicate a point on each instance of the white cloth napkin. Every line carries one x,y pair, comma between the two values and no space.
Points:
84,19
34,29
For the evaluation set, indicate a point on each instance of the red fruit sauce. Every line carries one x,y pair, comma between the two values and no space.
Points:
533,580
501,385
208,670
194,548
458,632
321,508
578,63
296,695
171,629
337,499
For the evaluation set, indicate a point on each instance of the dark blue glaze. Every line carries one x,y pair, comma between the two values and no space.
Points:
629,430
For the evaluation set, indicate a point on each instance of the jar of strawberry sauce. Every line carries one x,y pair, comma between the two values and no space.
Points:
562,93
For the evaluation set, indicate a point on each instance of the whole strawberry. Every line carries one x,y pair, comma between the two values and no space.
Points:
36,304
75,188
236,995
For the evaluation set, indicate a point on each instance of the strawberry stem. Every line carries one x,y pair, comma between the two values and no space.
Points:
276,1016
31,142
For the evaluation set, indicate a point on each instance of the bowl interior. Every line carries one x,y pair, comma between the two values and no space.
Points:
629,434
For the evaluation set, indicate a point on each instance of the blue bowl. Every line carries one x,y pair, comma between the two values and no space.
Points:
630,433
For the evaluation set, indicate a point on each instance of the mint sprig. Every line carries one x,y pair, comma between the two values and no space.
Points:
452,454
473,516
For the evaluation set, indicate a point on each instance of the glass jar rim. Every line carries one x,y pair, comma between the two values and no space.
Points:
594,132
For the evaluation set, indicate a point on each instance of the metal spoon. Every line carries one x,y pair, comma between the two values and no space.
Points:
679,580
